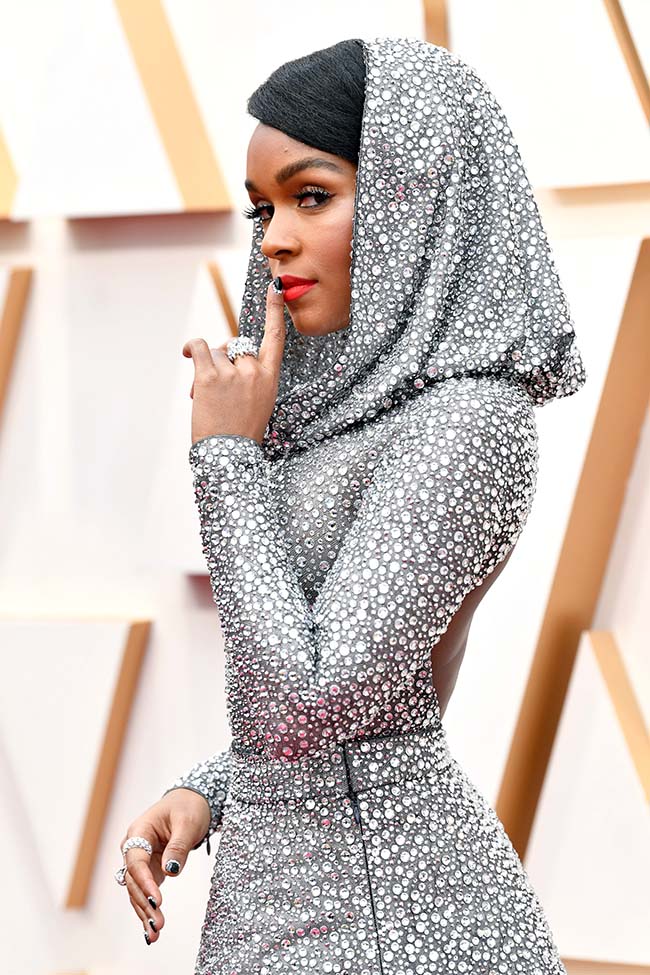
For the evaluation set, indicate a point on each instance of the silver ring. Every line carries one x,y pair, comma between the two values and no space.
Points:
120,875
241,345
137,841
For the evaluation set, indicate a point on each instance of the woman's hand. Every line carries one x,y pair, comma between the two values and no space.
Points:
238,397
173,826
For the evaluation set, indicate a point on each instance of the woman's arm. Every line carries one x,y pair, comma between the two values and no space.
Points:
448,500
211,779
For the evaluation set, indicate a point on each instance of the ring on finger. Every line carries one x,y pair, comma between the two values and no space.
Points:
140,841
137,841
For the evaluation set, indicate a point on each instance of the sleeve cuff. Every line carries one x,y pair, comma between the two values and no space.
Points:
223,449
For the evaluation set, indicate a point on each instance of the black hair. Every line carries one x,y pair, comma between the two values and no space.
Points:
317,99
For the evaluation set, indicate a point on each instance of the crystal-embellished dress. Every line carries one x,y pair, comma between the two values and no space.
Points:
398,470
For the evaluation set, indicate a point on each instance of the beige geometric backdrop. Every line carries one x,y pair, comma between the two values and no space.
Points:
195,182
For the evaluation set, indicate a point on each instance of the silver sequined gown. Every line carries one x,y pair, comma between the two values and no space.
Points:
339,551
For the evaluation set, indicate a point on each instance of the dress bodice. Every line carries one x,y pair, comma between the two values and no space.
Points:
337,570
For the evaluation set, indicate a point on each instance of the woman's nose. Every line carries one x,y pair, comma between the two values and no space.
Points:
278,239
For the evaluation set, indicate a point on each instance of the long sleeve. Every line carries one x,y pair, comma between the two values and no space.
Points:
211,779
447,500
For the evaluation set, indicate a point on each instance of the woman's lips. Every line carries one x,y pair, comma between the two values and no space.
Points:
297,290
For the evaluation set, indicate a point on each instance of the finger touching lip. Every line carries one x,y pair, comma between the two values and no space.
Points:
291,280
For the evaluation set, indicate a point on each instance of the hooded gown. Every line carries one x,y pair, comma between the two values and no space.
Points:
397,471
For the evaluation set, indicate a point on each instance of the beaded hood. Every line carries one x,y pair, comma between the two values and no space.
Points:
451,270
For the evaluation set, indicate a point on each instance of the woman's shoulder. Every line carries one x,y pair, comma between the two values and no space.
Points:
482,406
468,448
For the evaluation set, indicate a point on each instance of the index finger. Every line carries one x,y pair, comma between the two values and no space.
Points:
271,348
199,350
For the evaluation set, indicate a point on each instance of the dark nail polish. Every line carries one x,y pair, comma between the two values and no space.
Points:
172,866
152,901
151,922
147,938
277,285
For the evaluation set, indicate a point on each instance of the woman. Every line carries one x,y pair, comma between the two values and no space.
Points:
360,482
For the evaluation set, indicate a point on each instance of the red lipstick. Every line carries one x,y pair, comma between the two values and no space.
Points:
294,287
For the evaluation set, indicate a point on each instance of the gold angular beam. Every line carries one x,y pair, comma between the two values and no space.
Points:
436,22
11,320
600,194
582,966
626,706
114,734
630,54
583,559
224,300
173,105
8,180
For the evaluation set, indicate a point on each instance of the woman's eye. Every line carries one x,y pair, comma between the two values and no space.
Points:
319,195
254,213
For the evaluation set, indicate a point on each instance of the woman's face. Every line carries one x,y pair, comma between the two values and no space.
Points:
307,215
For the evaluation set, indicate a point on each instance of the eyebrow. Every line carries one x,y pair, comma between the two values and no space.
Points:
284,174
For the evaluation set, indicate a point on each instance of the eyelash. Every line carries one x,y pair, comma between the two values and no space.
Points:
253,213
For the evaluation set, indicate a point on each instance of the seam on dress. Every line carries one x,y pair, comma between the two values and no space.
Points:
357,816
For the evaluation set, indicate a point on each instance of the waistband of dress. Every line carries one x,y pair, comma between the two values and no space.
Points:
349,766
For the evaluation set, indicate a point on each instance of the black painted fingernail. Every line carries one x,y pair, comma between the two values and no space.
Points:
152,901
151,922
277,285
147,938
172,866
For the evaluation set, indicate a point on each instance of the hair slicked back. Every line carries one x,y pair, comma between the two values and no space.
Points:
317,99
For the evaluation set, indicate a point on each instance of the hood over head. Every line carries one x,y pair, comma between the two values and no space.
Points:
451,270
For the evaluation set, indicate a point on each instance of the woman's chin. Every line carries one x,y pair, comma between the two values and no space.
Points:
311,324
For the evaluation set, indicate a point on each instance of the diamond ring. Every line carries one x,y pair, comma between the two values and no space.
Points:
137,841
120,875
241,345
